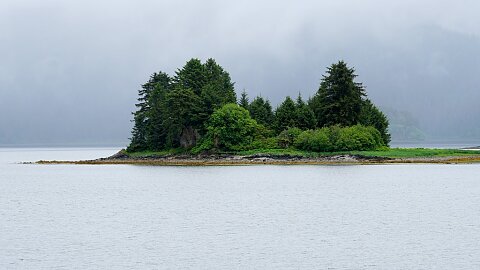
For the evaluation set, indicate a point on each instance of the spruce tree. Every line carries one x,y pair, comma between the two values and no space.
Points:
339,97
142,117
243,102
217,90
156,129
182,112
305,116
191,76
261,110
285,115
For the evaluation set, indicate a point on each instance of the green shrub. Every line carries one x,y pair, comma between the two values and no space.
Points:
377,136
336,138
229,128
287,137
314,140
358,138
264,143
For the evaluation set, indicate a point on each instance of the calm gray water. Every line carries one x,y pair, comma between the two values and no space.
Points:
257,217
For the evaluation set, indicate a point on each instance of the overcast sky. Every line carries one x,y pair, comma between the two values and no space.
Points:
70,70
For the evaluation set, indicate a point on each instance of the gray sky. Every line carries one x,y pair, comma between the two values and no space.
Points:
70,70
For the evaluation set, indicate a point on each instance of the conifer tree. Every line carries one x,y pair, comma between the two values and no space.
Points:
156,129
339,98
182,107
142,123
218,89
191,76
212,87
285,115
261,110
243,102
305,116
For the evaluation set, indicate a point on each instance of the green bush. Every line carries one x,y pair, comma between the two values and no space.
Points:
287,137
377,137
229,128
264,143
358,138
336,138
314,140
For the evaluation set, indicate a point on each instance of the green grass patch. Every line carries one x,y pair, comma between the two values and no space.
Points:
418,152
387,153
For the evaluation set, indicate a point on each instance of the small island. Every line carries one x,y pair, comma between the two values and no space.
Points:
194,118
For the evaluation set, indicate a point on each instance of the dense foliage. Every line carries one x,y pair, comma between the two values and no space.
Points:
172,112
336,138
197,109
229,128
339,98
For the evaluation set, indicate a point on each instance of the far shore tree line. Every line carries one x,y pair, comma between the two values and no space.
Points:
197,109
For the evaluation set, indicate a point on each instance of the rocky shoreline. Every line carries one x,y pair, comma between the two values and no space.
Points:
260,159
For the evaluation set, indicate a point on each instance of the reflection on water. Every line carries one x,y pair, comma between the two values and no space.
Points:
262,217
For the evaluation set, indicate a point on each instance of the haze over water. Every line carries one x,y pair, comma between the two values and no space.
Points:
245,217
70,70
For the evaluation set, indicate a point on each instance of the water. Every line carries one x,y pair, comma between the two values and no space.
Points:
250,217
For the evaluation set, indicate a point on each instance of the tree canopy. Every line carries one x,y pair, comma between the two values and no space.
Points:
261,110
230,127
339,98
286,115
172,111
199,104
305,116
244,102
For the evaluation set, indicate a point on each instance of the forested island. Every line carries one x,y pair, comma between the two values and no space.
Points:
195,118
197,111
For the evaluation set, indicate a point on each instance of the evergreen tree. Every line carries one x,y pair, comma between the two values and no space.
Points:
339,97
270,115
243,102
305,116
138,140
182,107
142,123
285,115
261,111
372,116
156,129
191,76
315,105
218,89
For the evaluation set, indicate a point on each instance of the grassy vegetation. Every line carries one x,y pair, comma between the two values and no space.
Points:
418,153
386,152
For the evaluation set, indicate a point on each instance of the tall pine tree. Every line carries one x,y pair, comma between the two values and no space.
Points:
286,115
339,98
182,107
243,102
305,116
218,89
191,76
142,117
261,110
